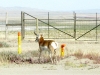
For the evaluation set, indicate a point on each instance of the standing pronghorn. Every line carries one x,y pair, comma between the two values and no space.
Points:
49,45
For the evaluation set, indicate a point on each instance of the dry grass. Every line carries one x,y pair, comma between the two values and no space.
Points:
30,52
30,57
90,55
3,44
74,65
14,57
93,56
78,54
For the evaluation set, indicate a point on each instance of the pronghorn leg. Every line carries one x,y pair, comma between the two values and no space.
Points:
55,57
50,54
39,55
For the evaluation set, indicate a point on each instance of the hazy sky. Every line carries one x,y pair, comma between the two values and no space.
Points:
63,5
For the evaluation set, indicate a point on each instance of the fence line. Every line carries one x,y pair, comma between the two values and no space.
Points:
55,25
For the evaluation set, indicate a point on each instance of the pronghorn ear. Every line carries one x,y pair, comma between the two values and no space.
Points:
41,35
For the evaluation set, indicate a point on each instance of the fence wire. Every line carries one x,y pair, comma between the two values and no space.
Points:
57,25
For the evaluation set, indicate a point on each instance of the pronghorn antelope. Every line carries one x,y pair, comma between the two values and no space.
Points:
49,45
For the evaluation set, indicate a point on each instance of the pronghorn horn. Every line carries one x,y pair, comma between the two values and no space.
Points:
35,33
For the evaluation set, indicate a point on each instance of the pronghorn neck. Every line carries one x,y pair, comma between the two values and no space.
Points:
41,39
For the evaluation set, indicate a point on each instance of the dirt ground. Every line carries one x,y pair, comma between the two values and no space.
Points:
68,66
44,69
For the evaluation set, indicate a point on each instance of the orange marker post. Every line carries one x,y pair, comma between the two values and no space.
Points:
19,43
62,50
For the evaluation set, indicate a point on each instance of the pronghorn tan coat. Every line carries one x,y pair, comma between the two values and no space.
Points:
49,45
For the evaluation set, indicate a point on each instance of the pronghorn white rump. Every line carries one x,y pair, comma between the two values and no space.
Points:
49,45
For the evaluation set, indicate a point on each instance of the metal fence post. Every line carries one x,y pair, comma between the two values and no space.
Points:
74,25
22,26
37,26
48,24
6,28
96,27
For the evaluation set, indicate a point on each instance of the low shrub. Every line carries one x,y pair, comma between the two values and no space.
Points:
3,44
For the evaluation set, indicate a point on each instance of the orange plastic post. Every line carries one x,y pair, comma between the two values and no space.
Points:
19,34
62,50
19,43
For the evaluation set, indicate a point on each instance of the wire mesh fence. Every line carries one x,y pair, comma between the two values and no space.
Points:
87,26
57,25
8,25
